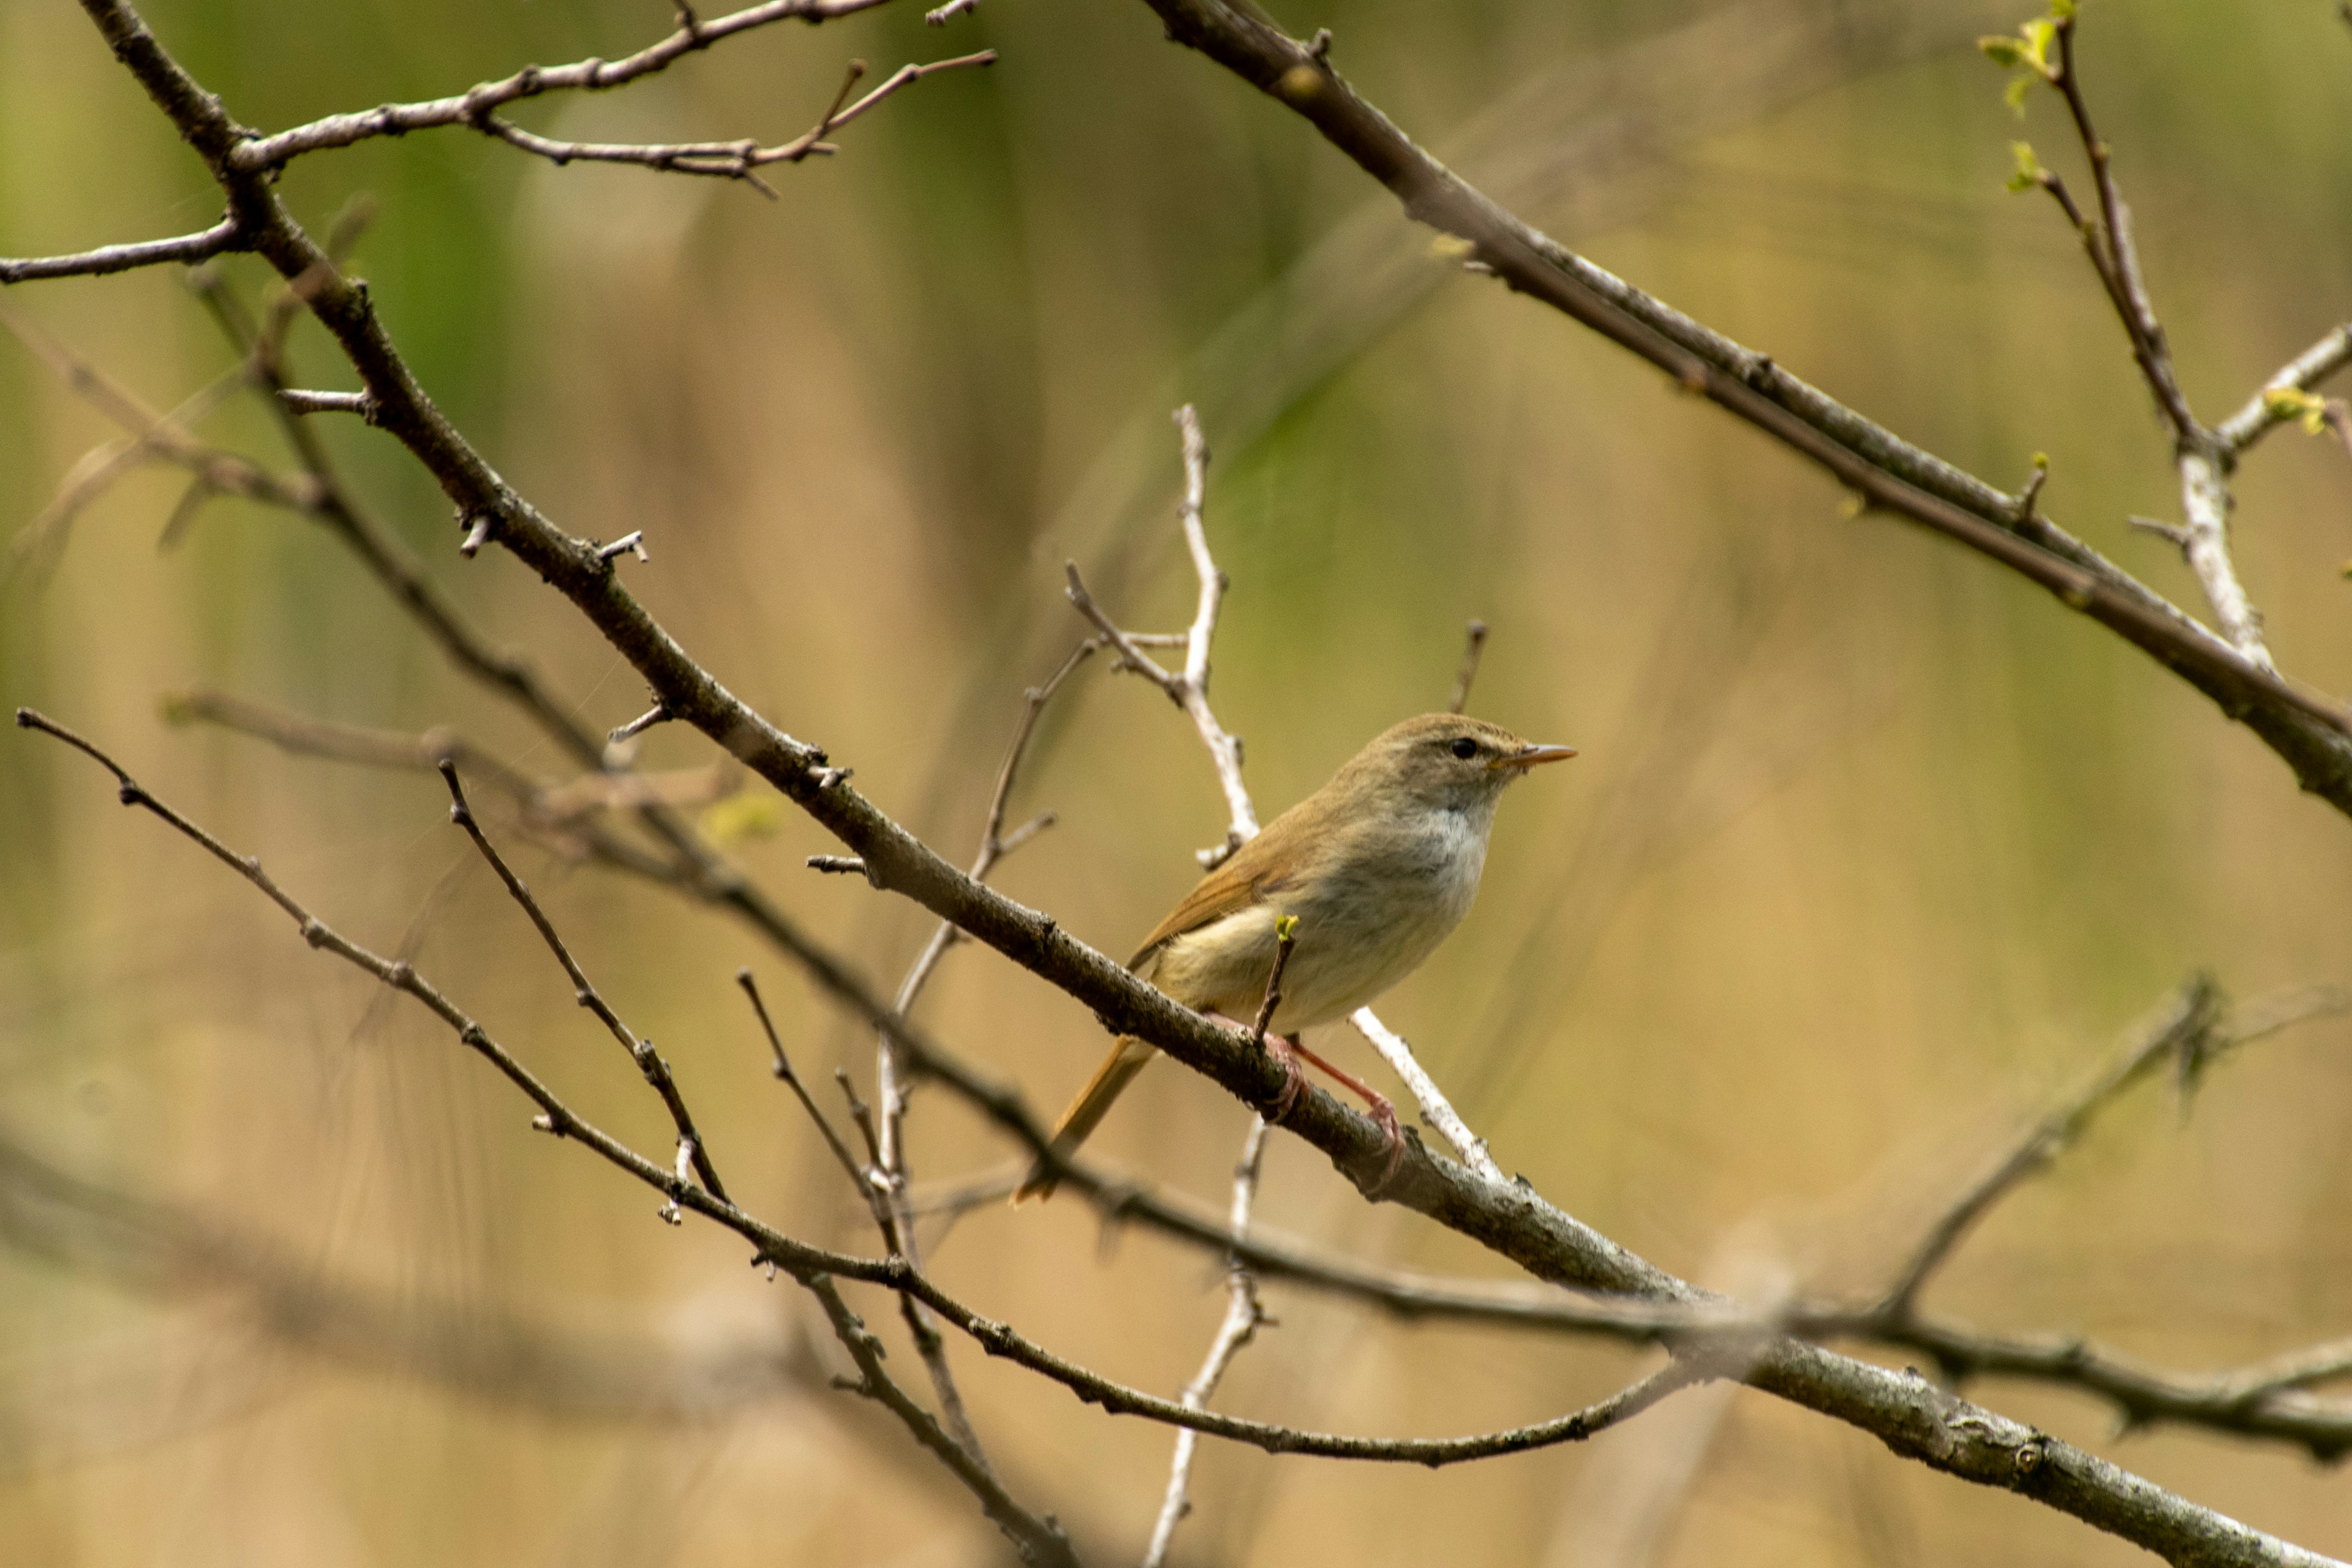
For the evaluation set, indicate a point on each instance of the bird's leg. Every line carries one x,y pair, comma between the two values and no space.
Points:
1284,1051
1383,1113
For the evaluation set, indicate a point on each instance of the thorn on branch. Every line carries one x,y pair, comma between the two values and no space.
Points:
2032,493
630,543
478,534
2176,535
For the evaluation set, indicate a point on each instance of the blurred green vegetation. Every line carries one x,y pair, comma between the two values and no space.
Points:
1870,845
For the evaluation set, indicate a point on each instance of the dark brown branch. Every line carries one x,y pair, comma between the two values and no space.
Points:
2312,734
2201,458
2121,269
699,869
641,1051
812,1264
224,235
1040,1540
792,1080
1917,1419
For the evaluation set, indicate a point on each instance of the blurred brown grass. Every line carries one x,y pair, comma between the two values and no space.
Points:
1869,849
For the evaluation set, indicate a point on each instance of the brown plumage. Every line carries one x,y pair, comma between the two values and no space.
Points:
1377,867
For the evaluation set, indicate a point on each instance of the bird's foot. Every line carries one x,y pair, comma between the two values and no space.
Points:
1384,1116
1284,1051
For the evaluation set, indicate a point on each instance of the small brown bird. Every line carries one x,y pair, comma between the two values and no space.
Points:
1377,867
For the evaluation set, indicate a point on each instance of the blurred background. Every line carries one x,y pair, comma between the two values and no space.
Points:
1871,850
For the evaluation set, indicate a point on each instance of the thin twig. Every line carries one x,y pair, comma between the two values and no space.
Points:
2201,457
226,235
2265,409
1243,1314
304,402
1040,1540
641,1051
557,815
1474,646
801,1091
630,543
894,1083
736,160
254,154
2191,1031
1966,1440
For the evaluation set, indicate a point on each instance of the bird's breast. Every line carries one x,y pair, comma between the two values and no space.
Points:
1368,914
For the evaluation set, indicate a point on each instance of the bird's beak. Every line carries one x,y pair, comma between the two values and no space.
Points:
1533,756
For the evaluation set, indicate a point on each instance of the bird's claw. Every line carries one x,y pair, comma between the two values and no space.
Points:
1384,1116
1293,1079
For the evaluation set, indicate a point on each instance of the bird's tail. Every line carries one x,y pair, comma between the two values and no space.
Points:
1118,1069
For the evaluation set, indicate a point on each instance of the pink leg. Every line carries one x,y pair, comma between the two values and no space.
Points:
1284,1051
1382,1112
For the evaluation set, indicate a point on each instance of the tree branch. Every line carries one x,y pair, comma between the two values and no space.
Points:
258,155
1908,1413
226,234
2201,458
2312,734
692,1148
737,160
2265,409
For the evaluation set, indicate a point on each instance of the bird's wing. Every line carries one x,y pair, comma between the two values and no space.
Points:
1247,877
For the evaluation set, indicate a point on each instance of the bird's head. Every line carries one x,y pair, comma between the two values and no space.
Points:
1448,761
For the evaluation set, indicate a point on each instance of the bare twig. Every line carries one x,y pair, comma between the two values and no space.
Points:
254,154
2191,1031
2201,457
940,15
1436,1109
1950,1435
2313,735
1190,689
148,435
791,1080
1474,646
303,402
226,235
556,816
1040,1540
622,734
1243,1317
641,1051
737,160
630,543
894,1083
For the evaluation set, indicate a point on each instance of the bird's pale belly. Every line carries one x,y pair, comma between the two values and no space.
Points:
1357,936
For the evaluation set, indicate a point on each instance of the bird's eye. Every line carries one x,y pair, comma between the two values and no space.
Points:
1466,748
